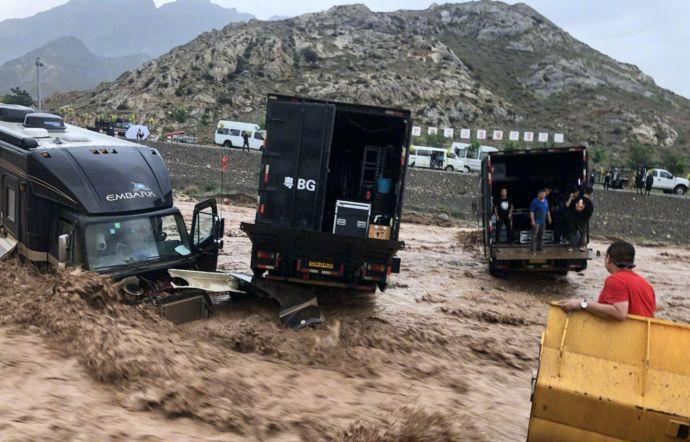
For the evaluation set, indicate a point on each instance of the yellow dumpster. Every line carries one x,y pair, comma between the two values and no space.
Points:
601,380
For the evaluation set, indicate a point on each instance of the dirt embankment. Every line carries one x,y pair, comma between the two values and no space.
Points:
195,170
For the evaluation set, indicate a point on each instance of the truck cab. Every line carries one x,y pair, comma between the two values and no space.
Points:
77,198
666,182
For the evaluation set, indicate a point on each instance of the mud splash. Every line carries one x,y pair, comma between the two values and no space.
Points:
126,346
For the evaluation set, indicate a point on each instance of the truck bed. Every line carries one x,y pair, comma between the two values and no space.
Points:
522,252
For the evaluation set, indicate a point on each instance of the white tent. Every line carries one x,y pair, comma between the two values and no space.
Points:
132,132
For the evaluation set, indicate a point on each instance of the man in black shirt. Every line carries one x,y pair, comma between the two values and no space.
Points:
503,209
581,209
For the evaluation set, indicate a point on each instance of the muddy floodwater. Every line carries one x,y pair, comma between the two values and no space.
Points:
447,352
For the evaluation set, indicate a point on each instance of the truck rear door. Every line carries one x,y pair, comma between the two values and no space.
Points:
294,164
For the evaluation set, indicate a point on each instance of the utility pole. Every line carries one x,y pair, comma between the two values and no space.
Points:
39,65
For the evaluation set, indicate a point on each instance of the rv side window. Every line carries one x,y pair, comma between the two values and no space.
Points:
234,132
462,153
258,136
222,131
11,204
423,153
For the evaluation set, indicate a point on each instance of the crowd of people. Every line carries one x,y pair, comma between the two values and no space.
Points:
613,179
567,213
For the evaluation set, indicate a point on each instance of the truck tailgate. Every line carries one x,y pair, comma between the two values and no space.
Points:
524,253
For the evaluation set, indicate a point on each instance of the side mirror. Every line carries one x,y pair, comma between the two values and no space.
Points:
63,245
219,228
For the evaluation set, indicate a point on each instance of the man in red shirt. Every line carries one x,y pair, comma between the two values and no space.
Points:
625,292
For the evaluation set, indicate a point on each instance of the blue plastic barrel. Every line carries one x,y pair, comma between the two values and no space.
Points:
383,185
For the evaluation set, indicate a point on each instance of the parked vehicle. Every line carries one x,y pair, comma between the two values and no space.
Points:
230,134
116,128
73,197
471,158
522,173
666,182
330,193
434,158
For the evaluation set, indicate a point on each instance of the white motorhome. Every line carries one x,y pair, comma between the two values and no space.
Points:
471,159
229,134
434,158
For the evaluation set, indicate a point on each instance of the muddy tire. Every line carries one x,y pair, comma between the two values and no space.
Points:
227,144
680,190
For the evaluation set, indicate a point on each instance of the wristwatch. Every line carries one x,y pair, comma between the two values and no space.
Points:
583,304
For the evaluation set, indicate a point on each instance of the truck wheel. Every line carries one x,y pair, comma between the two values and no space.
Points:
227,143
467,169
680,190
449,168
493,271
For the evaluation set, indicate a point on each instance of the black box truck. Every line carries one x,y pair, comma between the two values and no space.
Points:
330,193
77,198
522,173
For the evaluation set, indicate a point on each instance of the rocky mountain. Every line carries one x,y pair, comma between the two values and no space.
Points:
116,27
68,66
482,64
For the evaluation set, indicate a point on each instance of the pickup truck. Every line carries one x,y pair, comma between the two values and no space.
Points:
665,181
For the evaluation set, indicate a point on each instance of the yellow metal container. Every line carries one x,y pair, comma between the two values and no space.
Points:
610,381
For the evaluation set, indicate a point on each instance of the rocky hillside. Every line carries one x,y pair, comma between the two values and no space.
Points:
480,64
68,65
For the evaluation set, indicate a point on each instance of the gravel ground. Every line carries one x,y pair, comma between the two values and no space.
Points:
196,171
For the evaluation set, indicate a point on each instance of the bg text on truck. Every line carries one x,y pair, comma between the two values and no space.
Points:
522,173
78,198
330,194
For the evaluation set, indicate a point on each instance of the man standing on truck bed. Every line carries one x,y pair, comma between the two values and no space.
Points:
581,209
539,214
503,209
625,292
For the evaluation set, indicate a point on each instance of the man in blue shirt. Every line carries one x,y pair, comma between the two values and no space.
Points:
539,215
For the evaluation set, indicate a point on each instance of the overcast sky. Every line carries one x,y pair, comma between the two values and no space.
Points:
652,34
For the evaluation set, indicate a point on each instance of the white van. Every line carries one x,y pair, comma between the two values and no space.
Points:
229,134
434,158
471,159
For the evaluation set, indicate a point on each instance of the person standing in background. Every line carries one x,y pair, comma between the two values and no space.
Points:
649,182
245,137
607,179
